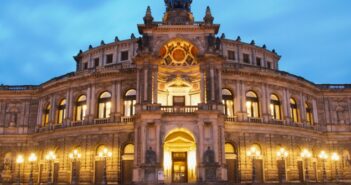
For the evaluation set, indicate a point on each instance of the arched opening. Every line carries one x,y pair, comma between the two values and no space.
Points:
255,153
75,156
104,106
81,108
228,102
232,163
129,103
275,107
178,76
127,164
46,115
61,111
294,114
252,105
179,161
309,113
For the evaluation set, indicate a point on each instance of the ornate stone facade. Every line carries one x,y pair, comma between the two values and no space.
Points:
177,105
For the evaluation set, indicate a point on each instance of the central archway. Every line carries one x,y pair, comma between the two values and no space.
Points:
179,157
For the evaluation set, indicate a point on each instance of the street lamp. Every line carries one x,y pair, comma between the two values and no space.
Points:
19,161
50,157
335,157
32,158
104,154
254,152
324,156
282,154
305,154
74,156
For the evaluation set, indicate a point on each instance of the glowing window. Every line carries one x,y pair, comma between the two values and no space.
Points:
46,115
129,103
309,114
81,108
61,111
294,111
104,106
252,105
227,100
275,107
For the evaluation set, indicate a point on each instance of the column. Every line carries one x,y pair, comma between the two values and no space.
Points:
286,106
202,85
155,84
265,103
145,92
315,111
302,108
40,113
219,90
52,111
113,100
118,98
212,83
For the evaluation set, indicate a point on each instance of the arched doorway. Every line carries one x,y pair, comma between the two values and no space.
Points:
127,164
179,157
232,163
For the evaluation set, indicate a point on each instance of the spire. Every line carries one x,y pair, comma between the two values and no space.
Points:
148,19
208,19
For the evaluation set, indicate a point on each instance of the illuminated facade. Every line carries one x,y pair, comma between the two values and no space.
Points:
176,105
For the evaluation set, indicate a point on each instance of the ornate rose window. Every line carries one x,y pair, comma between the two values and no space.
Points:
178,53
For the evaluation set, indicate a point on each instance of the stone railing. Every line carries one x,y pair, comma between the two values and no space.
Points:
231,120
179,109
104,121
18,87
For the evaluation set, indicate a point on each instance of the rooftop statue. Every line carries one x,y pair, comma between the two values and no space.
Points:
178,4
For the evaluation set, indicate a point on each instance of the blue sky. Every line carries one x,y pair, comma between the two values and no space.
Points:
39,37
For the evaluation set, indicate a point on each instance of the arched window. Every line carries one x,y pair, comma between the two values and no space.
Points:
129,103
61,111
275,107
81,108
252,105
104,108
309,113
46,115
227,100
293,111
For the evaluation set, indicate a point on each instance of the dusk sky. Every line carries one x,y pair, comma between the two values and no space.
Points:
39,37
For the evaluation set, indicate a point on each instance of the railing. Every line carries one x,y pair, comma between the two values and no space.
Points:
179,109
18,87
126,119
275,122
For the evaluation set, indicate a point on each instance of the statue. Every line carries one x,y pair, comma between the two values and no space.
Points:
209,156
150,157
178,4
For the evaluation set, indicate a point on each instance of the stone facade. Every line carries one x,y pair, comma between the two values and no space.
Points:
174,106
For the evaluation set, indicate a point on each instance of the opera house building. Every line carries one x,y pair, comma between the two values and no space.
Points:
181,104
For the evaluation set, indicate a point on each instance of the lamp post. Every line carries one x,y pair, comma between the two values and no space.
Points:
335,158
32,158
282,154
19,161
324,156
254,153
74,156
305,154
50,157
104,154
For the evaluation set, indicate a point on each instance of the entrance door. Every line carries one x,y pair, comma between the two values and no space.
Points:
179,167
259,170
301,171
179,101
99,172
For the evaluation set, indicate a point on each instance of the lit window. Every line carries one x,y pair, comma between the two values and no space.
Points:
46,114
252,105
293,111
227,100
104,108
61,111
129,103
275,107
309,114
81,108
